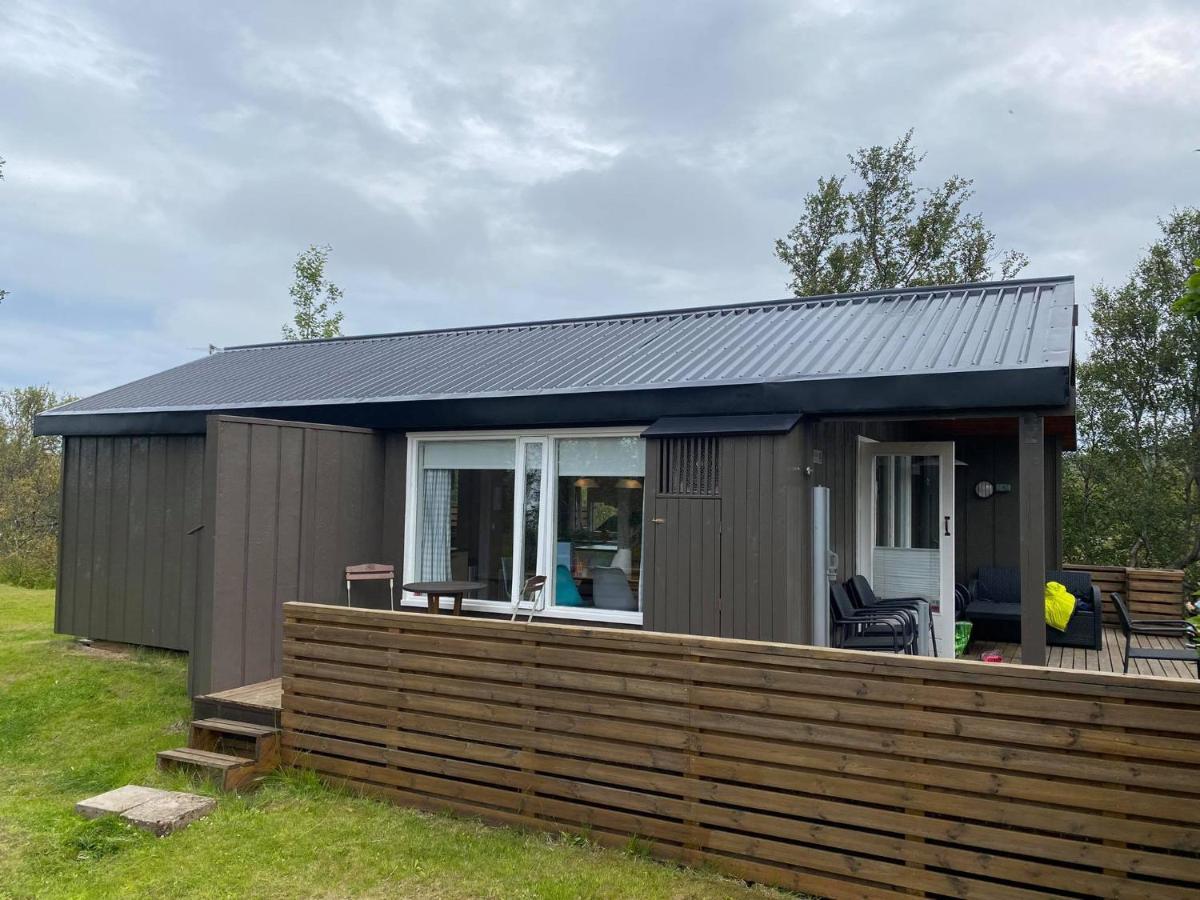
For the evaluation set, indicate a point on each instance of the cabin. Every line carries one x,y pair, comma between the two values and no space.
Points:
702,471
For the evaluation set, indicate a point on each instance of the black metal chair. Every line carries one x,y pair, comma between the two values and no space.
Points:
887,630
864,597
1156,628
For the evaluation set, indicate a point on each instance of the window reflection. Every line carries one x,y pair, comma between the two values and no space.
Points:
598,539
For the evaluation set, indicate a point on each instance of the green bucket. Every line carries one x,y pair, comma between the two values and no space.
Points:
962,637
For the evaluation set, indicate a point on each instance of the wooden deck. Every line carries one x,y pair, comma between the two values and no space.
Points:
1108,659
258,703
264,694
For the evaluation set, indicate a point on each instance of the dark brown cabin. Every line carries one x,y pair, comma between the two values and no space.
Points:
703,471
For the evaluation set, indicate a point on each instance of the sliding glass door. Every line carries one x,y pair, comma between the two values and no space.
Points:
503,508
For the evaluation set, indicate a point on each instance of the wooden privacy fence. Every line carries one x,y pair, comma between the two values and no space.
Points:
1149,593
832,772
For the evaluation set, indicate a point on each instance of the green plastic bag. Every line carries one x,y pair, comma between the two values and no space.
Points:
962,637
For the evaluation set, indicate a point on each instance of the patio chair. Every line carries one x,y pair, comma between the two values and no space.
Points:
533,592
1176,628
373,572
890,631
863,596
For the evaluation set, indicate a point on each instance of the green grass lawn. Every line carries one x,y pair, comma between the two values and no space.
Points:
74,723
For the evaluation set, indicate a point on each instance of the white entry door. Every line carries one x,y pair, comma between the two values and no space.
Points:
905,526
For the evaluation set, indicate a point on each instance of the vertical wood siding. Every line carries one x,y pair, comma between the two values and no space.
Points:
729,563
128,566
292,505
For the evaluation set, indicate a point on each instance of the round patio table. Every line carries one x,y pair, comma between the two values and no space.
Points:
435,590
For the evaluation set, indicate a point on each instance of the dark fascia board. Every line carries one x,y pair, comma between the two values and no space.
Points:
1009,389
694,426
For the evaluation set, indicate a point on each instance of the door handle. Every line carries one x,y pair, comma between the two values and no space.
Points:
658,521
947,518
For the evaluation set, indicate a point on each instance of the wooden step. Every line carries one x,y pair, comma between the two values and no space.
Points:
225,771
217,735
229,726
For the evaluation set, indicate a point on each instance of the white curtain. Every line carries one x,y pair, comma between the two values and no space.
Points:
435,525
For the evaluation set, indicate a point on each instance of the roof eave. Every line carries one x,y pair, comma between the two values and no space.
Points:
1026,388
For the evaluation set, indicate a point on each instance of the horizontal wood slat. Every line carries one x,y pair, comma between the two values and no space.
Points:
831,772
1149,593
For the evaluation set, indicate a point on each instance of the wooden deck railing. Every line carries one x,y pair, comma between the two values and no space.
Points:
1149,593
831,772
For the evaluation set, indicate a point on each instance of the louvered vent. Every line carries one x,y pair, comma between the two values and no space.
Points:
690,467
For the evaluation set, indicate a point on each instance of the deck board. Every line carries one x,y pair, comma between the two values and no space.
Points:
1107,659
263,694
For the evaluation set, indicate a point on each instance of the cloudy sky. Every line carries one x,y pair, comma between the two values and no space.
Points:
486,162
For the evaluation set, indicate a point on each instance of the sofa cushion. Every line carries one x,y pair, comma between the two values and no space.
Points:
1078,583
998,584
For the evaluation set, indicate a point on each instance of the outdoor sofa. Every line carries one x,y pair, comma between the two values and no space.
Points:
994,609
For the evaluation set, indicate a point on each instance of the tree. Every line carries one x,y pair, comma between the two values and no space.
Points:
1132,491
1189,303
312,297
29,489
889,233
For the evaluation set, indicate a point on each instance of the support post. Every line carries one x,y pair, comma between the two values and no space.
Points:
1032,519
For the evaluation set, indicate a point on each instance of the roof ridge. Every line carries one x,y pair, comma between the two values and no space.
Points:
680,312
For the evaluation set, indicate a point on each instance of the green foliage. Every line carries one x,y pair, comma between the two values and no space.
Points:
313,296
74,723
30,468
889,233
1131,493
1189,303
96,838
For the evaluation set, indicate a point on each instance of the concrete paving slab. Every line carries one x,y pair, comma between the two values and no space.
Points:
117,801
163,815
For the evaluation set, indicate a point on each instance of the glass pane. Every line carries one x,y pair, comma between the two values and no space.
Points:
465,517
924,487
624,456
883,502
468,454
906,561
598,528
900,501
532,511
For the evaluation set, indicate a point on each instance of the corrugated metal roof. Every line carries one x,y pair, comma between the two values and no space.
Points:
996,326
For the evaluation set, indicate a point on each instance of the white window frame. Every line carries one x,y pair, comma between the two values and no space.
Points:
549,438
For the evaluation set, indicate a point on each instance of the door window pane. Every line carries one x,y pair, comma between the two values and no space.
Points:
465,518
598,527
907,502
906,561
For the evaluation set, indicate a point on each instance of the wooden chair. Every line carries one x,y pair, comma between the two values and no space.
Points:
373,572
533,592
1156,628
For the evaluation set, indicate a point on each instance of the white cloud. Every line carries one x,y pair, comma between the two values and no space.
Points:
53,42
474,162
